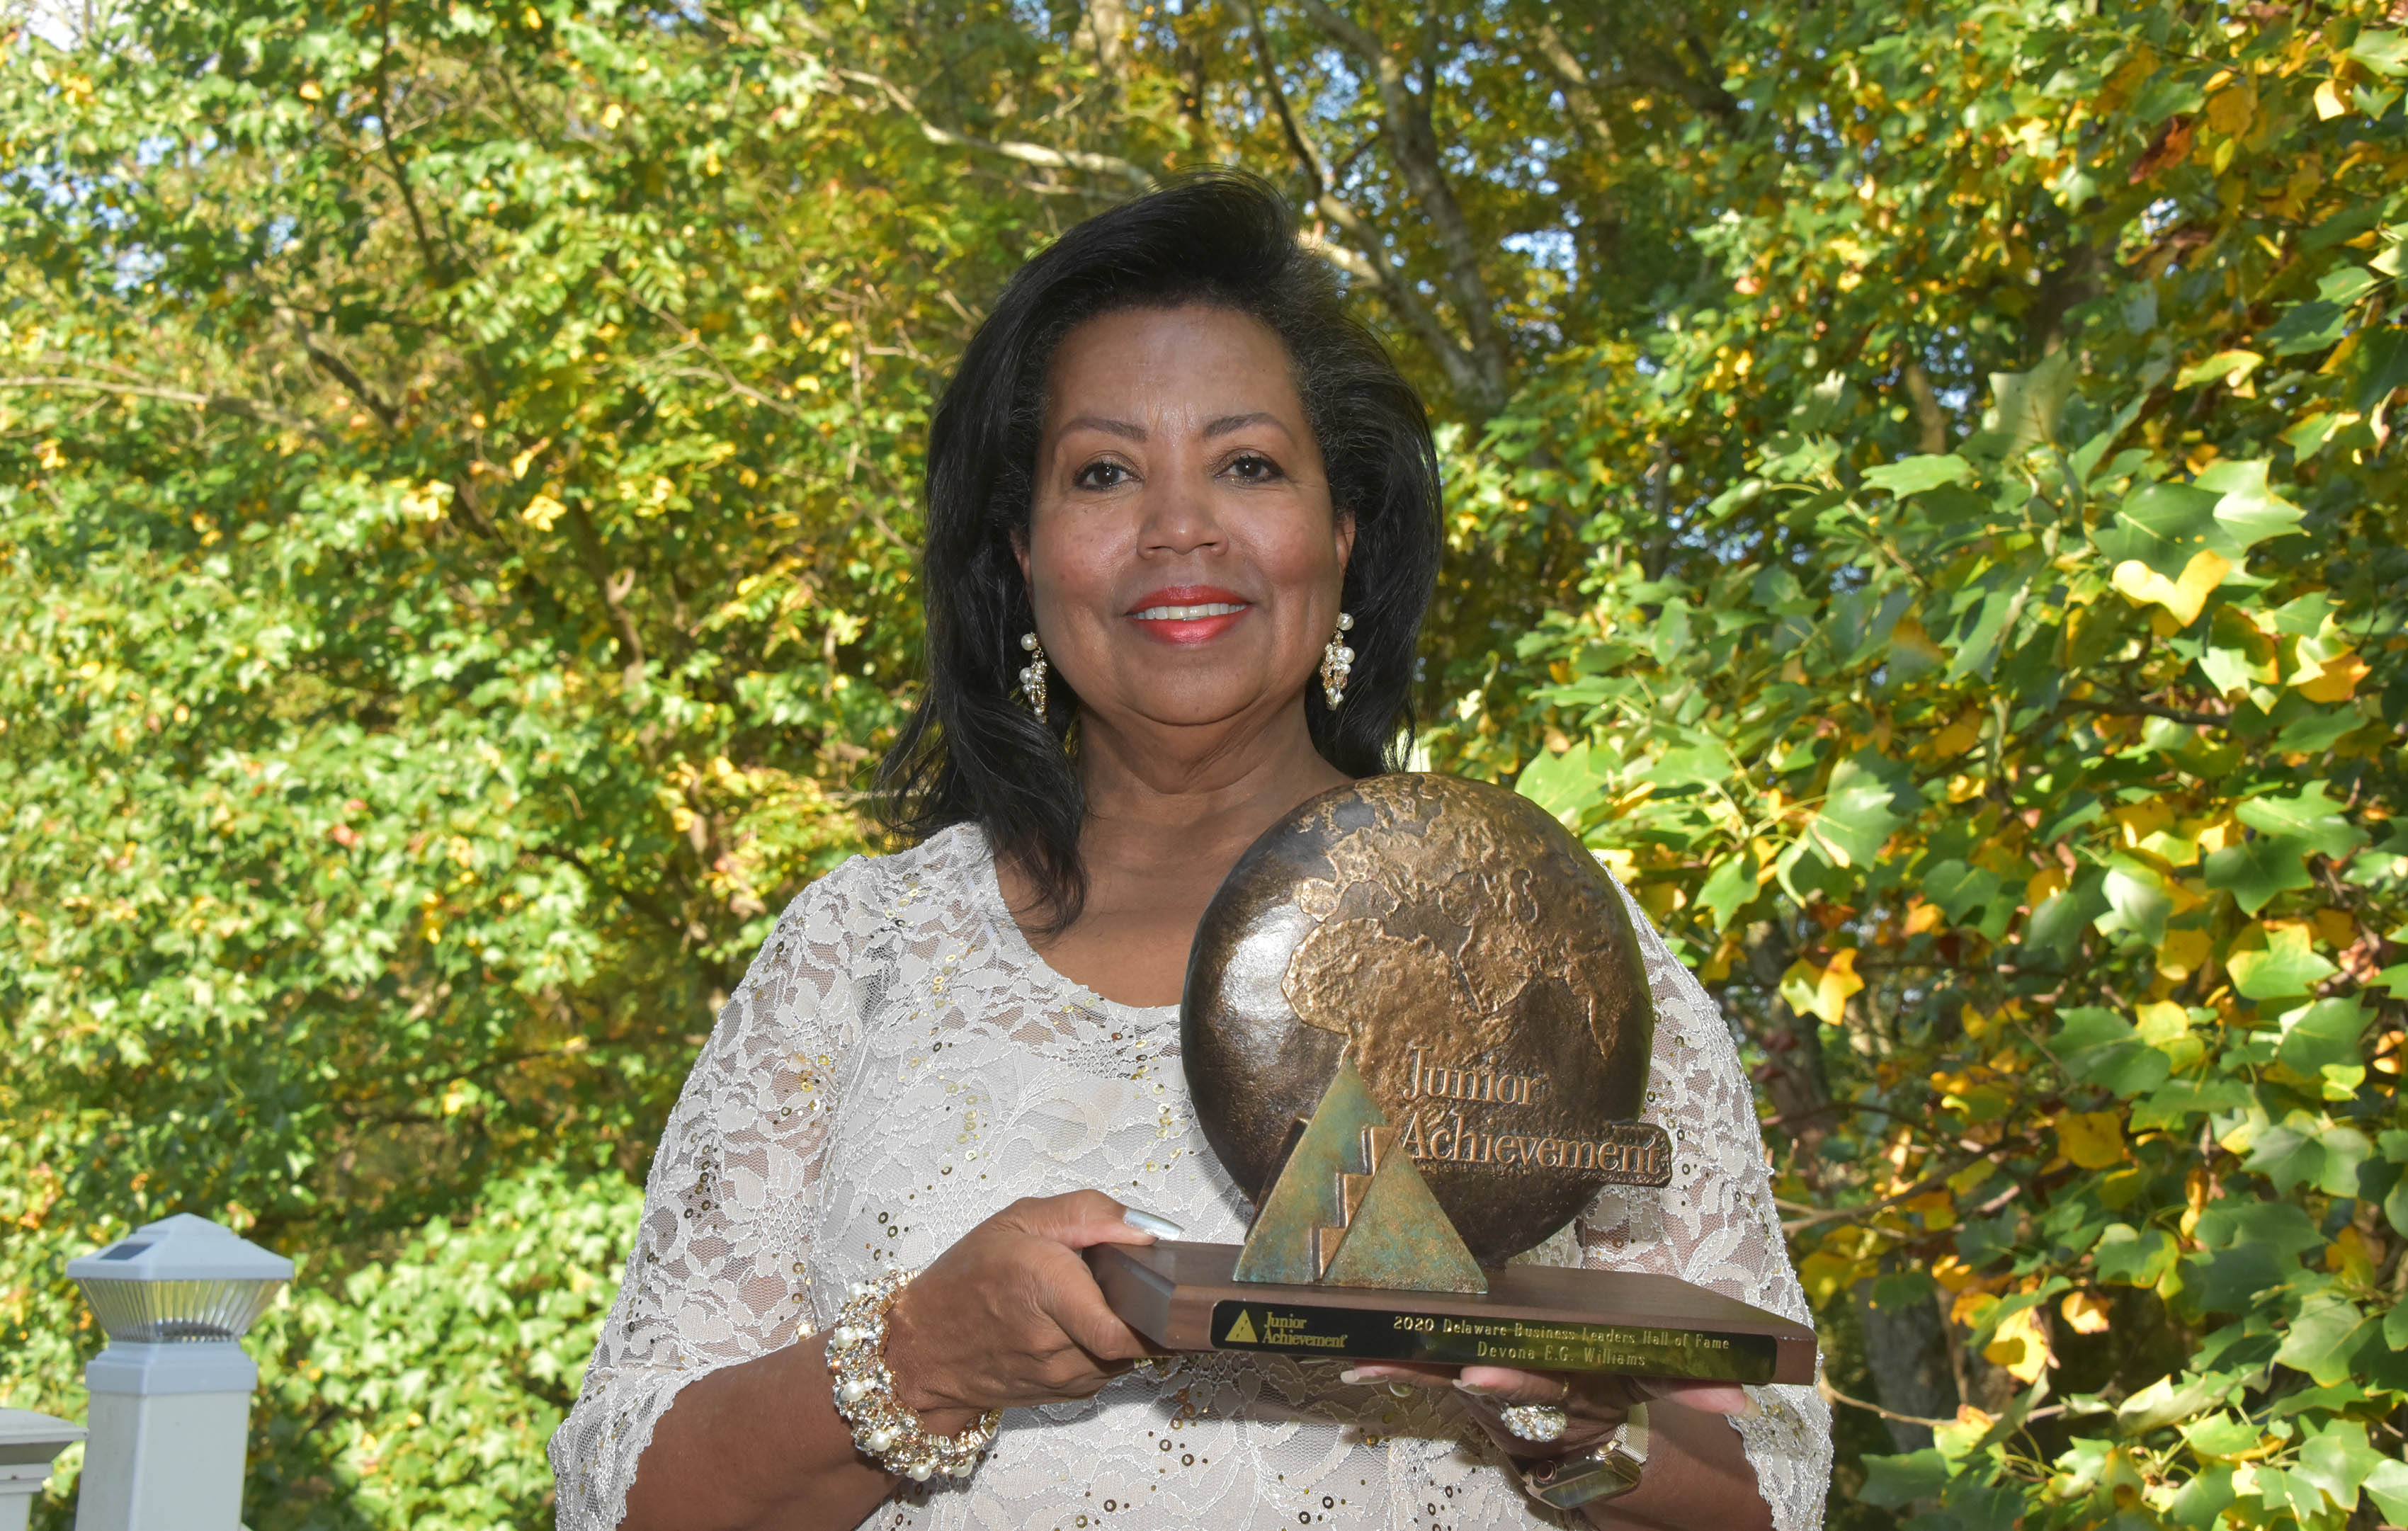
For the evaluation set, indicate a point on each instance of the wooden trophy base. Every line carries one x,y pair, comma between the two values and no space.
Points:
1544,1318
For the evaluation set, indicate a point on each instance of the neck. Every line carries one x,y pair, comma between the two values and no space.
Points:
1152,791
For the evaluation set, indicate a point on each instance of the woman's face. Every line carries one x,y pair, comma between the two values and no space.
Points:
1182,552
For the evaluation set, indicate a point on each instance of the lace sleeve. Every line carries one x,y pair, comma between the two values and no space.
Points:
1715,1225
717,1273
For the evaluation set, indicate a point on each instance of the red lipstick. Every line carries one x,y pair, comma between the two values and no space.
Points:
1188,614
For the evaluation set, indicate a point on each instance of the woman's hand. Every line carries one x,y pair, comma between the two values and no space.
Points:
1595,1403
1009,1316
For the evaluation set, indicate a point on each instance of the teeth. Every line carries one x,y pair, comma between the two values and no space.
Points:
1189,613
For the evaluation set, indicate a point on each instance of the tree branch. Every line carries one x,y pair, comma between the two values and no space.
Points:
1138,177
1648,64
216,403
1413,141
1823,1386
2131,707
1574,81
614,591
1391,286
1930,419
340,370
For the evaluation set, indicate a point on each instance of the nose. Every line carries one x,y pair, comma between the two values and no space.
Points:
1180,518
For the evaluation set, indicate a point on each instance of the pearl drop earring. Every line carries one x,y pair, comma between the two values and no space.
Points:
1032,677
1336,663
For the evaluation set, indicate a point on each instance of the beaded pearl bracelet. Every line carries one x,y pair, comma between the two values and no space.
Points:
885,1431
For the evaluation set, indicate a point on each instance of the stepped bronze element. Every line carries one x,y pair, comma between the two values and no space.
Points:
1348,1209
1417,1016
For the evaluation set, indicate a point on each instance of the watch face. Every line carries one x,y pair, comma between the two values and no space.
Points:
1568,1482
1475,962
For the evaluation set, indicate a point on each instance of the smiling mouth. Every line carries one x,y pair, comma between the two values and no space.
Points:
1189,613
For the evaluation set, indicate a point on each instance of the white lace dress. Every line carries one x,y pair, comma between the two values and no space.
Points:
899,1064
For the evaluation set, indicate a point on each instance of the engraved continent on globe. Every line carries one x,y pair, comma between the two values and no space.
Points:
1482,972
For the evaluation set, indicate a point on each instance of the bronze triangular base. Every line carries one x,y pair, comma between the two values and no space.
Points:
1348,1211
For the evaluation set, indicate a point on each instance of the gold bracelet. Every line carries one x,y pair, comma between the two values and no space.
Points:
885,1432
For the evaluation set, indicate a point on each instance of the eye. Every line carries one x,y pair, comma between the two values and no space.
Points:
1253,467
1103,474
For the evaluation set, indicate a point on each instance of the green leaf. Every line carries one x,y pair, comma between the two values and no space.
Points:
2136,895
2325,1032
2176,1102
2338,1459
2221,1434
2248,511
2382,367
2295,1492
2302,1151
2307,815
2321,1338
1913,474
2308,327
1695,765
2259,869
2162,525
2387,1485
2201,1502
2024,406
1960,888
2165,1401
1729,888
2099,1047
1858,813
2279,1227
2287,964
1562,784
1891,1481
2133,1257
2383,50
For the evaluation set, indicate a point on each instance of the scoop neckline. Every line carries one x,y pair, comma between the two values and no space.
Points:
988,884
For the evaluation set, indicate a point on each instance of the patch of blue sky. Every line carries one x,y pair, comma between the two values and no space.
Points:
1550,250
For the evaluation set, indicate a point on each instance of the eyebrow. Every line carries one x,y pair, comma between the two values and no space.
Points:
1129,429
1227,423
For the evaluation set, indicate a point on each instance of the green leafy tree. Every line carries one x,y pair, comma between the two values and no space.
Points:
1987,662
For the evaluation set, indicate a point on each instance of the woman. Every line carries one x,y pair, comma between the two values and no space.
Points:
1171,487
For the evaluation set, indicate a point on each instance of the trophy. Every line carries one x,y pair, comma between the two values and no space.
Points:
1416,1018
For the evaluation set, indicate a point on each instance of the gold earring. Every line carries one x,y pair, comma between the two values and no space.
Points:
1032,678
1337,662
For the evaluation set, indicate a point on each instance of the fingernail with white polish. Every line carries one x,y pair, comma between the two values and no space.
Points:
1354,1379
1474,1389
1161,1227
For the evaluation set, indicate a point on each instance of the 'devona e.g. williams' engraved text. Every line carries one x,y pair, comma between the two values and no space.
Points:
1630,1153
1456,1340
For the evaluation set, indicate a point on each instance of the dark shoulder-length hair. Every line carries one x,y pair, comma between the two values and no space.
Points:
972,751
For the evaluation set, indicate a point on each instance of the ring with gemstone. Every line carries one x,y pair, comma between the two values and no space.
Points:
1536,1422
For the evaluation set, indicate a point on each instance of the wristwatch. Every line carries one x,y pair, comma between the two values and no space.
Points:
1608,1469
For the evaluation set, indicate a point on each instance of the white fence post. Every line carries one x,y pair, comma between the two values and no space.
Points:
28,1442
171,1394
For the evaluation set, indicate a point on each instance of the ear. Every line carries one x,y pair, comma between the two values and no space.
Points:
1344,528
1020,550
